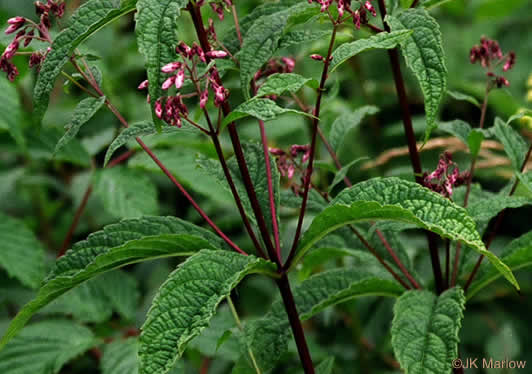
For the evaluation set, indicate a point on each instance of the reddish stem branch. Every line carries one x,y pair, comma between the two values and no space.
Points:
310,166
412,146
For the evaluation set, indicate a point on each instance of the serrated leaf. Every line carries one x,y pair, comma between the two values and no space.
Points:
425,330
514,145
157,38
424,55
22,255
88,19
136,129
278,84
117,245
399,200
268,336
83,113
383,40
460,96
254,156
187,301
126,193
263,109
517,255
261,42
44,347
11,113
346,122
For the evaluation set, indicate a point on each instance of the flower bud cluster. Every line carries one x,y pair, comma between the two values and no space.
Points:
26,31
445,177
489,54
172,109
291,163
217,6
360,15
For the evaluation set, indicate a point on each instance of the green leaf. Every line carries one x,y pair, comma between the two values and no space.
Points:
429,4
135,130
11,113
424,55
483,212
460,96
187,301
474,141
517,255
85,110
22,255
88,19
126,193
399,200
157,39
95,300
261,42
340,175
326,366
44,347
383,40
263,109
254,156
514,145
117,245
268,336
425,330
277,84
346,122
121,357
302,37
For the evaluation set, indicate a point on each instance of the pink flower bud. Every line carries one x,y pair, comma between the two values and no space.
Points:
15,23
291,171
159,109
219,10
180,79
290,63
370,8
169,82
510,61
11,50
216,54
317,57
171,67
197,50
143,85
184,49
276,151
203,98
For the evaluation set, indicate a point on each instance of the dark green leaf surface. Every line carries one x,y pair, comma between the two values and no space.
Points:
383,40
263,109
157,39
399,200
127,242
425,330
187,301
424,55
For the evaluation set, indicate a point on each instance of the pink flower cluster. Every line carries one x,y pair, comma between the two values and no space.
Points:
490,56
443,180
290,163
359,15
27,31
217,6
172,109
